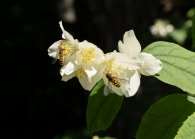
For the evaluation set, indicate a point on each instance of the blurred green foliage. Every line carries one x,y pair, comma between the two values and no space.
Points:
190,13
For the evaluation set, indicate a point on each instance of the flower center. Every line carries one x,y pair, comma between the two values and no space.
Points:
65,48
88,55
80,73
114,69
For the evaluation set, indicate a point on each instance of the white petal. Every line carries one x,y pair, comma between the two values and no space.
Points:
67,77
151,65
133,85
116,90
71,58
87,45
85,83
76,42
98,56
98,51
53,50
66,34
124,85
132,63
121,47
93,66
69,65
110,56
131,45
98,76
89,66
91,73
106,92
69,68
63,36
79,58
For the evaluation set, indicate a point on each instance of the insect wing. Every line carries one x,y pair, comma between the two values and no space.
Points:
54,61
65,61
122,80
108,89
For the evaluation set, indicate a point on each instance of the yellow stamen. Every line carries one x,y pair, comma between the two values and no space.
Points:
88,55
64,48
113,69
80,73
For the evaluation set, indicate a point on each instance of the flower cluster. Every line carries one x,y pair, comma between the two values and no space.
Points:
120,71
161,28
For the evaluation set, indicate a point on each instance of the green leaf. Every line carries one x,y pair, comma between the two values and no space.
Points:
188,129
101,110
193,31
163,119
178,65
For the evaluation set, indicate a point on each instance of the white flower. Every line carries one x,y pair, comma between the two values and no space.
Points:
118,66
81,59
70,45
81,75
161,28
132,47
88,59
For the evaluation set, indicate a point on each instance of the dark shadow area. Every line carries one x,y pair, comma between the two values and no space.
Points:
34,102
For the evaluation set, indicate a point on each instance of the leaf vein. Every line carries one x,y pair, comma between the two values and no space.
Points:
183,83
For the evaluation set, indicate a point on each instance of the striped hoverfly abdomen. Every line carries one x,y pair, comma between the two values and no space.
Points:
113,80
63,52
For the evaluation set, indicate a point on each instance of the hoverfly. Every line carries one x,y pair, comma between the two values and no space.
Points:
115,81
63,52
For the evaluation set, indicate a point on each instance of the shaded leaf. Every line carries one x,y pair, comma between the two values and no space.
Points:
163,119
178,65
101,110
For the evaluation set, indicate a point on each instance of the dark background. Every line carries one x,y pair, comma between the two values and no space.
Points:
34,102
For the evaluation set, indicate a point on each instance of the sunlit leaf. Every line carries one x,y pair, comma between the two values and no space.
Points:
178,65
193,31
101,110
164,118
188,129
